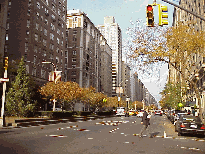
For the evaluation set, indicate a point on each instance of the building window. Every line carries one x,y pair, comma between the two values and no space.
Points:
25,59
63,8
51,36
34,72
59,12
74,31
26,46
37,14
73,79
45,32
27,32
36,37
62,34
74,52
57,50
47,2
58,41
38,5
73,73
53,16
52,27
43,73
51,46
44,42
28,23
57,59
35,49
29,11
58,31
37,26
35,59
46,11
74,38
46,21
74,59
75,19
73,66
7,37
53,7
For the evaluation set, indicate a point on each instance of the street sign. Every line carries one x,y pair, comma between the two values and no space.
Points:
4,79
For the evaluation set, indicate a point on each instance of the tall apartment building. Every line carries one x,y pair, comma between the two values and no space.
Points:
112,33
36,29
106,68
196,62
126,84
3,17
87,52
137,87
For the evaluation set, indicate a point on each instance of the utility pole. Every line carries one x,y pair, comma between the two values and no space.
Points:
202,18
56,78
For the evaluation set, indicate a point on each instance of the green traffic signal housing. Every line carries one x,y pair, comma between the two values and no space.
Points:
163,15
150,15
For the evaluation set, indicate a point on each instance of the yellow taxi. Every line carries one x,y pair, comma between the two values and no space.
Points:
132,112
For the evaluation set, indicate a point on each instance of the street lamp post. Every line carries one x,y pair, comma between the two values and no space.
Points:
46,62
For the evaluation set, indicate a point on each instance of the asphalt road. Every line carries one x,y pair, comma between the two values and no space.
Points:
115,135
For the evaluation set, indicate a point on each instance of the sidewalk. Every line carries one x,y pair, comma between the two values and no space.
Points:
15,121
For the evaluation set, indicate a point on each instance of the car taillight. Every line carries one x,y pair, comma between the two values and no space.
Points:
182,125
203,127
116,111
173,114
155,112
124,111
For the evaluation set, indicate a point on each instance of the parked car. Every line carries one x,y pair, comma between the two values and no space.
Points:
120,111
158,112
188,124
177,116
173,115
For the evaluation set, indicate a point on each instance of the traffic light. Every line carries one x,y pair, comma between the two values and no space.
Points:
163,13
6,62
150,16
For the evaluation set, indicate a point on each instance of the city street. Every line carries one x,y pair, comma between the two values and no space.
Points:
106,135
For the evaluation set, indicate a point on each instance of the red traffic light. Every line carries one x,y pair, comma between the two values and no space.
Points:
149,8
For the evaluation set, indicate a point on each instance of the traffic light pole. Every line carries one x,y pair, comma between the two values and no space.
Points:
184,9
4,92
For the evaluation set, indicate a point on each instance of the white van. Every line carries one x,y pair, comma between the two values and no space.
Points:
120,111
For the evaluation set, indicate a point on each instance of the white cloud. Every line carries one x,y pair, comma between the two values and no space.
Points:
146,2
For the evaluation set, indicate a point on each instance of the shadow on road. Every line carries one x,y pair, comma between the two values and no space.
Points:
154,134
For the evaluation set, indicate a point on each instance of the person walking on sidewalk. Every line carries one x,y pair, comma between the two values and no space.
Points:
145,122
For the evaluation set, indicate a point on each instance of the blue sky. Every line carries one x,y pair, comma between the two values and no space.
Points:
124,11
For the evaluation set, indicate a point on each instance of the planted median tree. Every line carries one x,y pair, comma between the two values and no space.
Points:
19,97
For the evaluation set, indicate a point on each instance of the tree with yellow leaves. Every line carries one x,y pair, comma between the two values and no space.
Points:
139,105
175,46
64,91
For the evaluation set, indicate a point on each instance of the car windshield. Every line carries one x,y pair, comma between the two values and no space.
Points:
120,107
191,119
